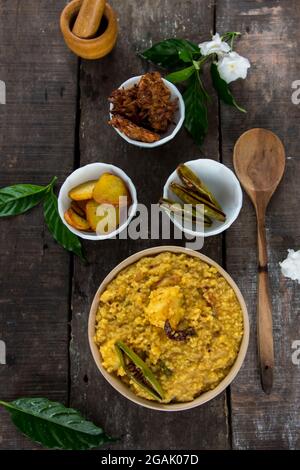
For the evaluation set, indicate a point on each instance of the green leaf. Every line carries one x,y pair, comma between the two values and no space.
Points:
53,425
185,55
222,88
17,199
196,121
60,232
181,75
172,53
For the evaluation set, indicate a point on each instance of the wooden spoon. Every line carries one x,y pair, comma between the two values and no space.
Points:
259,161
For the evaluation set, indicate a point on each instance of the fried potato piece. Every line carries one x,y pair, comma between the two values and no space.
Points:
133,131
82,204
75,220
166,303
83,191
109,189
78,208
109,217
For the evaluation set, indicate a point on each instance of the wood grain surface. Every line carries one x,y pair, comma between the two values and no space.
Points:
56,118
36,142
271,41
149,169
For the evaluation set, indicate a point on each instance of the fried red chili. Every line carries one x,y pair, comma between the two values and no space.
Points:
178,335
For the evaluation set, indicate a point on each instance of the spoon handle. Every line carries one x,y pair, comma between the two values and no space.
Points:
264,312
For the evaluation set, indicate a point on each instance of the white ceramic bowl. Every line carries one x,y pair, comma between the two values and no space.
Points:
118,384
93,172
223,184
173,129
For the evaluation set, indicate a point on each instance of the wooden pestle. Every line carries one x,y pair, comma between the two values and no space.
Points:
89,18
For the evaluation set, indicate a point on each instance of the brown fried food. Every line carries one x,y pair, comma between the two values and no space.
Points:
148,105
133,131
125,103
154,98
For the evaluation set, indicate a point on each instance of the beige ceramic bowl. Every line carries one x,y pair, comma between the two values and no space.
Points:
118,384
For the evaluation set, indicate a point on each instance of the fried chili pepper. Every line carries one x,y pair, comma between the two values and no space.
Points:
179,209
191,197
138,371
194,183
178,335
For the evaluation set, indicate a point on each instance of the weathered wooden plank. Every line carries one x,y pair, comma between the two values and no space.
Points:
37,141
205,427
270,39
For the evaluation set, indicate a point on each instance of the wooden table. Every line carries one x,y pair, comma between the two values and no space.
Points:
55,119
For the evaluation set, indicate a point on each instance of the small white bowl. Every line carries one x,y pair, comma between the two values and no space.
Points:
223,184
173,128
93,172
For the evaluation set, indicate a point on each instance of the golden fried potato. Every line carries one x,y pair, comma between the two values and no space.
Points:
75,220
82,204
78,208
109,189
83,191
109,217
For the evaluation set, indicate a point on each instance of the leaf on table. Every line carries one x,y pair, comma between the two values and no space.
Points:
196,120
222,88
17,199
53,425
60,232
172,53
181,75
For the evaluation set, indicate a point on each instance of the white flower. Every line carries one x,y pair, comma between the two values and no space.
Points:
233,66
216,45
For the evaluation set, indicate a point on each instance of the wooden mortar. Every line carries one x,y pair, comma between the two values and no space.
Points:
89,18
88,24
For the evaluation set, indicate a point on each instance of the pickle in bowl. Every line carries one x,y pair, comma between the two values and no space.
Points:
195,199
